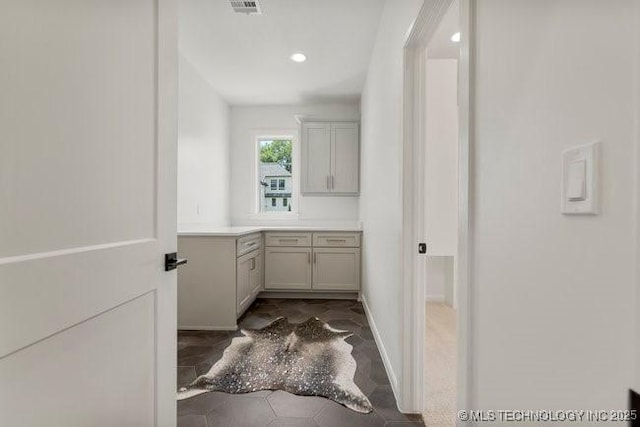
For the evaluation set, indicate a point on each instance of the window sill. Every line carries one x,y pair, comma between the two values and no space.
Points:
273,216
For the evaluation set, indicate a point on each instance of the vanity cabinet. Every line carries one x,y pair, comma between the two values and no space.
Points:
226,272
223,277
330,158
324,261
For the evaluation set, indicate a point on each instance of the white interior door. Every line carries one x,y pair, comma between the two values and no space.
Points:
87,210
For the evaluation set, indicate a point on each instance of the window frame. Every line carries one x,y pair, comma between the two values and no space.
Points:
293,201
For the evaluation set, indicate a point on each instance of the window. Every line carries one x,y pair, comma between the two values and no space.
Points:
275,174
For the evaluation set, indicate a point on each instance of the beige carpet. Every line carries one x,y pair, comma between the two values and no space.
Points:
440,366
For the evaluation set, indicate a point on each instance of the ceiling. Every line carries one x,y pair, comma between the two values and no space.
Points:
441,46
246,57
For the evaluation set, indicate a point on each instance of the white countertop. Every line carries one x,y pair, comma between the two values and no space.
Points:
235,231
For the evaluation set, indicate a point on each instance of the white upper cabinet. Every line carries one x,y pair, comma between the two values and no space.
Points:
316,157
330,158
345,155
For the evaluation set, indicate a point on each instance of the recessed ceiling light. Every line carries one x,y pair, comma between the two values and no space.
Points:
455,38
298,57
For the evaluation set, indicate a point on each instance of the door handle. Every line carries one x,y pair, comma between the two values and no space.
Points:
315,258
171,261
328,185
332,182
308,257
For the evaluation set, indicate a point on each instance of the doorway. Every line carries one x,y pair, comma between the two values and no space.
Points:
440,216
436,204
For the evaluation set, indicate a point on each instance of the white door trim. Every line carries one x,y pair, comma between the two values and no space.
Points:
414,265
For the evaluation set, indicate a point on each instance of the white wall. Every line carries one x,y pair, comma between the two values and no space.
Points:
381,154
441,152
552,295
246,123
203,151
439,279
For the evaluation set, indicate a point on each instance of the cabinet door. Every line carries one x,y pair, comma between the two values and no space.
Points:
336,269
316,157
345,158
256,275
243,281
287,268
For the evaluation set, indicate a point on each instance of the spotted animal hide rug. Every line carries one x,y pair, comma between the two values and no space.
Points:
309,359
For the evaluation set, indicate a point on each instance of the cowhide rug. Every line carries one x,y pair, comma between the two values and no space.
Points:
309,359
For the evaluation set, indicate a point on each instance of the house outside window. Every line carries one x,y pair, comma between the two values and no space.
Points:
275,177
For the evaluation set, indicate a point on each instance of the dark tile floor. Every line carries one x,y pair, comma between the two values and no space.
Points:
198,351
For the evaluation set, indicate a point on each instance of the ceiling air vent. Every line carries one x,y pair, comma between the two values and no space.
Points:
248,7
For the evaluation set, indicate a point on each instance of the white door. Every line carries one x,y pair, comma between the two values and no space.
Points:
87,211
345,156
316,157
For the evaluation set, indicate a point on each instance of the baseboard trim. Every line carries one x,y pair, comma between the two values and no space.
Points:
308,295
207,328
383,351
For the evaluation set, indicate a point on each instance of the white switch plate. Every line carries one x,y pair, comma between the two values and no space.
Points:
580,164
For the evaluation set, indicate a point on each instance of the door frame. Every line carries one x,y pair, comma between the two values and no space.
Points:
413,195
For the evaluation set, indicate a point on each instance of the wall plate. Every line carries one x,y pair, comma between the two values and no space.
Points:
580,163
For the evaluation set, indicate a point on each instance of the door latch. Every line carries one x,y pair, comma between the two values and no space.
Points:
171,261
422,248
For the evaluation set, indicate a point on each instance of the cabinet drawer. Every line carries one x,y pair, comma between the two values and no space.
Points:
332,240
248,243
288,239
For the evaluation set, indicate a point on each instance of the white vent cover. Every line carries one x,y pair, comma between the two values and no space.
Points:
248,7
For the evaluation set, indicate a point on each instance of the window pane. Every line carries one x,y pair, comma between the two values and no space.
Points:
275,175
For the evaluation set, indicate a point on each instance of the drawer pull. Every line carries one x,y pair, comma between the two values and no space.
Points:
251,243
288,240
337,240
